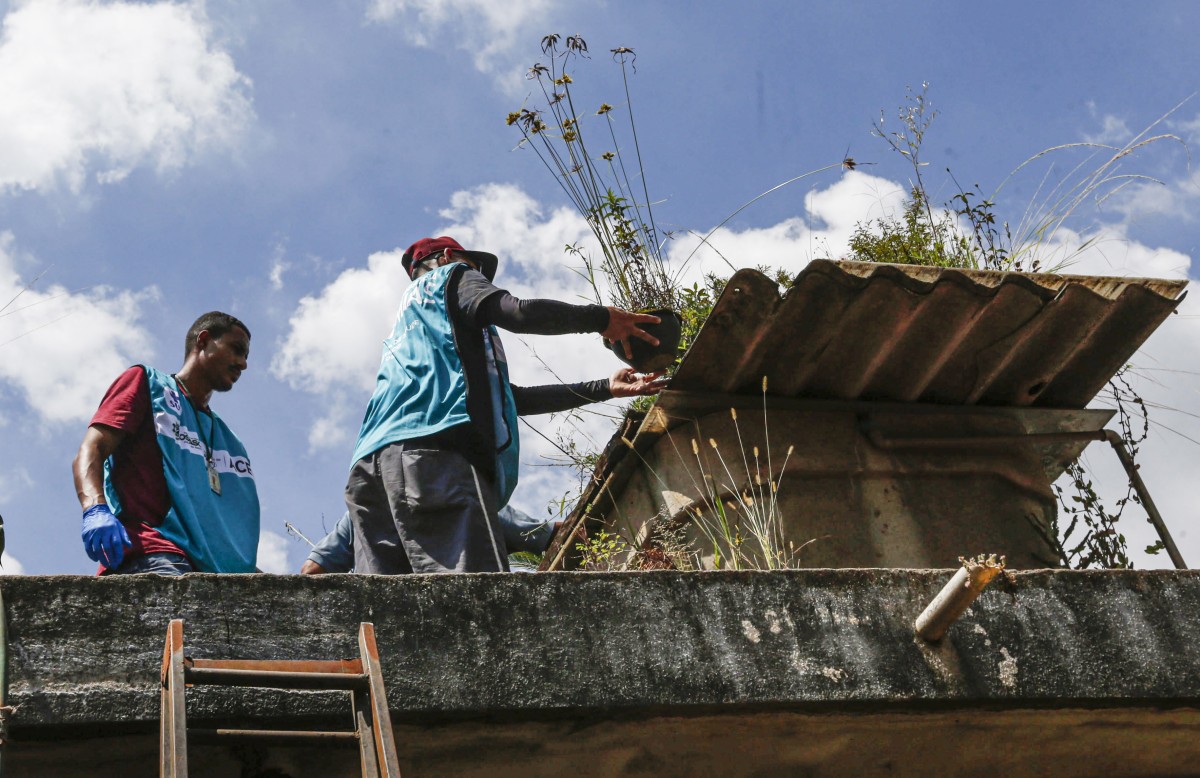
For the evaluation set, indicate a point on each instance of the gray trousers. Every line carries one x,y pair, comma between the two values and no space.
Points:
421,510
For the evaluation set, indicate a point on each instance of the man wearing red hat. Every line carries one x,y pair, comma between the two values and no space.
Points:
437,454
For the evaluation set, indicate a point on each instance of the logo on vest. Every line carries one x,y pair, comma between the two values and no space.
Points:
184,435
172,399
225,462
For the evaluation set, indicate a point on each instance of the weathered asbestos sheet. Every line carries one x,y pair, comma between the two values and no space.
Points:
906,333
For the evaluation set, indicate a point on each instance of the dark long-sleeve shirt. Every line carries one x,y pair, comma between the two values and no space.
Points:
483,304
475,303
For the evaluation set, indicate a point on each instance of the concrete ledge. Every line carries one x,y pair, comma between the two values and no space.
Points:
85,652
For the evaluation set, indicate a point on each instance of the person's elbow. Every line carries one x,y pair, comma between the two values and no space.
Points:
98,444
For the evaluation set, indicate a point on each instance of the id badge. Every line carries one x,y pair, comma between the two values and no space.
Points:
214,480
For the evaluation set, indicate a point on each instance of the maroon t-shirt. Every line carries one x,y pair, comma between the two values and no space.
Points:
137,467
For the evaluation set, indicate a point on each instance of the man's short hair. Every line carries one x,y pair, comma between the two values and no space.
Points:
216,323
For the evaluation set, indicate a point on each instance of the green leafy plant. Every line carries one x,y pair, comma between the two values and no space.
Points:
736,521
735,524
1085,533
524,561
603,552
917,237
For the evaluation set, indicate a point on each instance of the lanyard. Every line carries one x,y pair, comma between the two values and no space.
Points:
214,480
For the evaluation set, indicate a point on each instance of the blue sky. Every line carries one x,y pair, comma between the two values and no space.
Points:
271,159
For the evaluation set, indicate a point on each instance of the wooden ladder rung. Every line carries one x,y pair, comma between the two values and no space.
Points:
284,737
348,666
275,679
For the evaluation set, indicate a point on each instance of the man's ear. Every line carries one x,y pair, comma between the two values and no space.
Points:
446,258
203,338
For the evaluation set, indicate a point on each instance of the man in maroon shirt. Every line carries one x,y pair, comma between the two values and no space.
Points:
216,348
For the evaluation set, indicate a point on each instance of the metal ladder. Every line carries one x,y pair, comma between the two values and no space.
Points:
361,677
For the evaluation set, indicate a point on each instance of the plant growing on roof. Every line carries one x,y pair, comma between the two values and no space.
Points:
603,552
734,522
589,164
966,233
739,518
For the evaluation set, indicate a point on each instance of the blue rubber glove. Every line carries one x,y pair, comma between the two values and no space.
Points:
104,537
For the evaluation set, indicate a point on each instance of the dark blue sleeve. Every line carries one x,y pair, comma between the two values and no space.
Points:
523,532
335,551
480,303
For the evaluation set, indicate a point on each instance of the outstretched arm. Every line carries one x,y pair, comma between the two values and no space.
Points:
483,303
540,317
334,553
554,398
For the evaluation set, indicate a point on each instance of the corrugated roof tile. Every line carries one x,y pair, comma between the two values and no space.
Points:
908,333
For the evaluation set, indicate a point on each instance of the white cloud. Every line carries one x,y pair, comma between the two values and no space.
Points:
272,553
1189,129
488,29
109,87
824,230
1113,131
1170,199
279,265
1112,252
338,427
334,338
60,349
10,565
529,243
1146,173
333,344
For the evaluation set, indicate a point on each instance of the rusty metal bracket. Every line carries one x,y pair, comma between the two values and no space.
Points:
957,595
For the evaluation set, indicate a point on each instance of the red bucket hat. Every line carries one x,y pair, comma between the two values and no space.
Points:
426,247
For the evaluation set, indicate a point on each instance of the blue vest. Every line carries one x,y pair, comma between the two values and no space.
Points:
219,533
422,388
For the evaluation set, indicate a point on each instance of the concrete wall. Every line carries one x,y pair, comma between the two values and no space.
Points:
802,672
846,500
